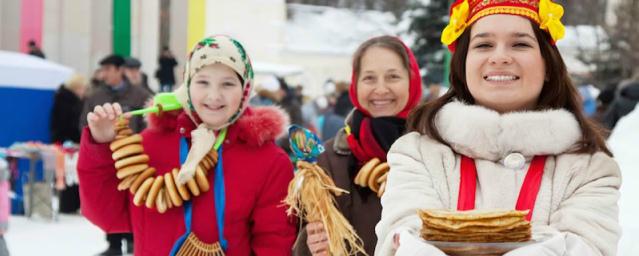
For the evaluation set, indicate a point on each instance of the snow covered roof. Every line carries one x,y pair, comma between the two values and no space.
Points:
328,30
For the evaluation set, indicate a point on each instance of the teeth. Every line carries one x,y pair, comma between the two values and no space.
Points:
381,102
213,107
501,78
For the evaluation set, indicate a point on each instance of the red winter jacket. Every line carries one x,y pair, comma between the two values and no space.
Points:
256,176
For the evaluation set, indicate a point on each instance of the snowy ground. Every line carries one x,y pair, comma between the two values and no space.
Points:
70,235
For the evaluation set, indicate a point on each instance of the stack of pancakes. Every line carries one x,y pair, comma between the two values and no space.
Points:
479,226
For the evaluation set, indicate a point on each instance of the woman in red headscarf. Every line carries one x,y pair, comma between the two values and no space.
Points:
386,86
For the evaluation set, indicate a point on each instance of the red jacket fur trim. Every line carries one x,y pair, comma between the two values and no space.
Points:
256,126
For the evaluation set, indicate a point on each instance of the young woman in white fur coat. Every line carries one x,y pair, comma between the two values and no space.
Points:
511,109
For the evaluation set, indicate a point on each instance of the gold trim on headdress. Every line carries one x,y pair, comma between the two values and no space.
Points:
520,11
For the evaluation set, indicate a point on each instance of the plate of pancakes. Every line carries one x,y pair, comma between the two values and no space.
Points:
477,232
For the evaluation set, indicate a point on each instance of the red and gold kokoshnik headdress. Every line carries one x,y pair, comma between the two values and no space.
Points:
463,13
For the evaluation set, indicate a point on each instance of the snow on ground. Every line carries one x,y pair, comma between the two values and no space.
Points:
70,235
623,142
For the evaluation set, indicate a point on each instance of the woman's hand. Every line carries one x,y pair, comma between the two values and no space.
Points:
395,241
102,121
317,240
409,244
554,245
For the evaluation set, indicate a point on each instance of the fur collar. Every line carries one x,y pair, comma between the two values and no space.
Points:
479,132
259,125
256,126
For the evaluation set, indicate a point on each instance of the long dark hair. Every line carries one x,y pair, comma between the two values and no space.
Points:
558,92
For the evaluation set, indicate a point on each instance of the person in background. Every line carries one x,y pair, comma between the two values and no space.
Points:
291,102
333,118
268,92
165,73
625,101
34,50
435,90
343,104
313,111
588,93
97,79
116,88
67,108
604,99
134,75
65,127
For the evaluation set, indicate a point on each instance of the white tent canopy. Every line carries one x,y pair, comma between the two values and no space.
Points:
26,71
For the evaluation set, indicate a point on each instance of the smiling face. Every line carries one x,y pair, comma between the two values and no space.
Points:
383,81
504,67
216,93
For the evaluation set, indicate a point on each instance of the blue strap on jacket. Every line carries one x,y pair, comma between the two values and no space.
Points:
220,201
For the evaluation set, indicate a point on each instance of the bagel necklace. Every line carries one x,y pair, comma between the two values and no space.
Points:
372,174
162,192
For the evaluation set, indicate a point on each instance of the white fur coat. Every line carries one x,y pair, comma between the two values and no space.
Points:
578,195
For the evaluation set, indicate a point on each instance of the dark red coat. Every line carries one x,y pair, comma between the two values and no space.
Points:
256,176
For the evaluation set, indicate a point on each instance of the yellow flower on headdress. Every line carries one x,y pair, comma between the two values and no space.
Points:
550,16
457,23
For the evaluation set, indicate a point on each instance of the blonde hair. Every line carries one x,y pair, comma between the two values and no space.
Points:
76,81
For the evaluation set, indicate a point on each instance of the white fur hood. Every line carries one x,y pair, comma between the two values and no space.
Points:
482,133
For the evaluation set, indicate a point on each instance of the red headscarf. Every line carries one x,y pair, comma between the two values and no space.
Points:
372,137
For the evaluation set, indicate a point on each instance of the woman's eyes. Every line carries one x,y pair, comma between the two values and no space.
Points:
207,83
516,45
387,77
202,82
482,45
522,45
